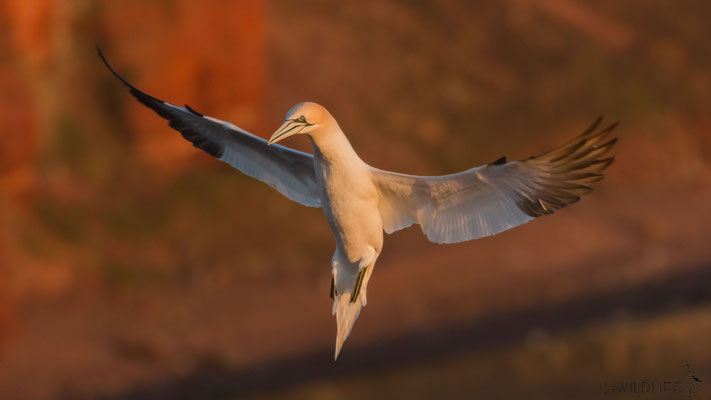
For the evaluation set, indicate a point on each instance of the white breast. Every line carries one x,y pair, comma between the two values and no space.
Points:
350,204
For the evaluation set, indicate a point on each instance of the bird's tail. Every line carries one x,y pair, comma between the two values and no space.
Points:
346,306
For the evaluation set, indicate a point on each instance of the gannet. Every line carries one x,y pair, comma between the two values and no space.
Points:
361,202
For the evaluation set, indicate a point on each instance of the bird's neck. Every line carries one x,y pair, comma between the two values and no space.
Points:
332,145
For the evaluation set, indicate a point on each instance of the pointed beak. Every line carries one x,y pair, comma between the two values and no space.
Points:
288,128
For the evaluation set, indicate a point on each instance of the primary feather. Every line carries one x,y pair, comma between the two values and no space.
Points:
289,171
489,199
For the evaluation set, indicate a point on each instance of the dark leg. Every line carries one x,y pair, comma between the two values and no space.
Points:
358,284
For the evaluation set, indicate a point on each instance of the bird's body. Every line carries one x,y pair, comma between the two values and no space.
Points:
349,200
361,202
348,197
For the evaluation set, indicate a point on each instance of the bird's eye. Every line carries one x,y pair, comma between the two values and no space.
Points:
301,119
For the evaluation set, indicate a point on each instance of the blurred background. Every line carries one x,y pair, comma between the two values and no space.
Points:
133,266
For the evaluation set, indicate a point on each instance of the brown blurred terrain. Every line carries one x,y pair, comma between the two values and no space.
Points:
133,266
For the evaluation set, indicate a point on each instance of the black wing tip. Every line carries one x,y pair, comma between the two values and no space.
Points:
610,143
192,111
590,129
595,124
612,126
141,96
540,205
167,111
110,68
606,161
598,120
500,161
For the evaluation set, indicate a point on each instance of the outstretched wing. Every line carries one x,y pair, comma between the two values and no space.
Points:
288,171
489,199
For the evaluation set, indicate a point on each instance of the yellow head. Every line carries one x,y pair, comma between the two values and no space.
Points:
304,117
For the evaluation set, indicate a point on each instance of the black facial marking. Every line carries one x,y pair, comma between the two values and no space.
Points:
287,131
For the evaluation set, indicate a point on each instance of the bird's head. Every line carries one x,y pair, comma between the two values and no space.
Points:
304,117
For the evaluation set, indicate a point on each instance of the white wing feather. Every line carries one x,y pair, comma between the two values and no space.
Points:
288,171
486,200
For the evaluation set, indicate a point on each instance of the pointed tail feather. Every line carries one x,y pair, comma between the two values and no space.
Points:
345,307
350,288
346,315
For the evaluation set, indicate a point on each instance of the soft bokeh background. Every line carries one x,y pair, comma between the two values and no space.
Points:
133,266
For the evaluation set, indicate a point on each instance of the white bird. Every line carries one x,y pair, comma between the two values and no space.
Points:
360,201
